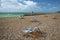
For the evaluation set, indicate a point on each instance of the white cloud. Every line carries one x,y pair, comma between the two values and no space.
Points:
26,5
29,3
18,4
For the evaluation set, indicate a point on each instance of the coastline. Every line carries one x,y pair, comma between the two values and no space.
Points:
14,25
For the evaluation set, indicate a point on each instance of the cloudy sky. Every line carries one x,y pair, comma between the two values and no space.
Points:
29,5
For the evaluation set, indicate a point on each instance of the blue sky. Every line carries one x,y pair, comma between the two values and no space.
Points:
29,5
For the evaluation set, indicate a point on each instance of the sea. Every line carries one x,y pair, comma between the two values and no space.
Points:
15,14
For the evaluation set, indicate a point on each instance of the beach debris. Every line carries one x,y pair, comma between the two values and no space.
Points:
21,17
54,18
34,19
34,32
38,25
36,29
28,30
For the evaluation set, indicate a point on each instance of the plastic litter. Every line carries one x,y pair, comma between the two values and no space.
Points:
32,32
28,30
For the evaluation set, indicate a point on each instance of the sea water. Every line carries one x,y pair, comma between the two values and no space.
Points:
2,15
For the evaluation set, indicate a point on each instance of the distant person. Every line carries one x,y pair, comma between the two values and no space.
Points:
32,12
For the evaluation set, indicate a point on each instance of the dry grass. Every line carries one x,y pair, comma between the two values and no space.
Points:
11,28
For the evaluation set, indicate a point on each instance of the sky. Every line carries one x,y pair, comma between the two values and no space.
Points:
29,5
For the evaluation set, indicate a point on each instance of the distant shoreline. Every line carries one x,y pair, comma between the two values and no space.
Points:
21,14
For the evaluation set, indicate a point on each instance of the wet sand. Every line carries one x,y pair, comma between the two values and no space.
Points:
11,28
